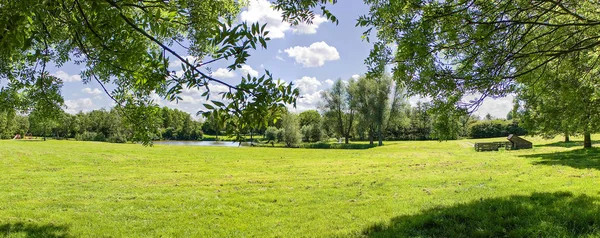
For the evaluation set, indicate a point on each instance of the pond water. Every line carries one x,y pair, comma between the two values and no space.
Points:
200,143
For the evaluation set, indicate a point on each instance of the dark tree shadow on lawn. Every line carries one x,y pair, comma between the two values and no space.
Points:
540,215
568,144
33,230
579,158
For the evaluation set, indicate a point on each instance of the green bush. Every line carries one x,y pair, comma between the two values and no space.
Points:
495,128
118,138
271,133
280,135
291,132
90,136
311,133
305,132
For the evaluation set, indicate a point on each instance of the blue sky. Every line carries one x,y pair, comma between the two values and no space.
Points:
311,56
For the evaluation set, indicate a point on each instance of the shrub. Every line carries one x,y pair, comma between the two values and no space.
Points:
311,133
291,132
316,134
280,135
90,136
271,133
197,134
117,138
495,128
306,133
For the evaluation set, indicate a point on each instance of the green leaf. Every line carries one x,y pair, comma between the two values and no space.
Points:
208,106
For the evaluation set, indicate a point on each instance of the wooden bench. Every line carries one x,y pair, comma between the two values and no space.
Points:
492,146
487,146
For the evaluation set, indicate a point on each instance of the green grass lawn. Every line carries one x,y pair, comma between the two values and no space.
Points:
87,189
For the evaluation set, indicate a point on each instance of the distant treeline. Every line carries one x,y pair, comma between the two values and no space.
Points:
410,123
99,125
417,123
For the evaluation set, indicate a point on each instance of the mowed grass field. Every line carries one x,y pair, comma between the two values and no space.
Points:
87,189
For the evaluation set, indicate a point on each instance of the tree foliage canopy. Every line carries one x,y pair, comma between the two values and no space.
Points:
447,49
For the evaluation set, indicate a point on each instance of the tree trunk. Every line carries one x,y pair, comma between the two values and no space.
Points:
349,125
371,135
587,140
380,136
567,137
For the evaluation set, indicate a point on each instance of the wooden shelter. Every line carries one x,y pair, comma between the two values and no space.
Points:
519,143
515,143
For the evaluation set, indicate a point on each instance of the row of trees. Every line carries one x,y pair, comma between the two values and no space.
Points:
369,109
100,125
410,123
366,104
374,107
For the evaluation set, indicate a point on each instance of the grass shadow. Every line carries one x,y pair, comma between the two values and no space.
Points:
540,215
32,230
569,144
579,158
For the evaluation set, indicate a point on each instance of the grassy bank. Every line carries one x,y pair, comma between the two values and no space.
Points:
87,189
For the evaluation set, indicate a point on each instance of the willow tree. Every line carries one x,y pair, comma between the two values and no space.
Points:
129,44
340,103
378,100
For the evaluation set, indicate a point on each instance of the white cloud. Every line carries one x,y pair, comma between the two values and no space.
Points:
497,108
246,69
223,73
77,105
329,83
94,91
262,12
156,98
67,78
415,99
177,63
310,93
315,55
356,76
304,28
307,85
308,101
